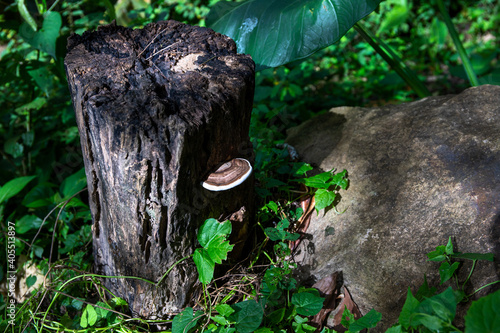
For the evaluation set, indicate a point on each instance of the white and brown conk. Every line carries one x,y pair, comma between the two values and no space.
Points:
228,175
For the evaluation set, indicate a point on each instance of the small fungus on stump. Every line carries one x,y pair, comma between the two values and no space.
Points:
158,110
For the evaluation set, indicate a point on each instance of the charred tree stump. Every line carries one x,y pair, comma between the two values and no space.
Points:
159,109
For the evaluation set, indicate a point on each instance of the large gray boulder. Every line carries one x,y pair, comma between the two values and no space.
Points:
419,173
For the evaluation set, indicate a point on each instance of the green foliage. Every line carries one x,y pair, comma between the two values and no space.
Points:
369,320
13,187
212,236
42,175
430,311
274,36
307,302
484,314
186,321
247,316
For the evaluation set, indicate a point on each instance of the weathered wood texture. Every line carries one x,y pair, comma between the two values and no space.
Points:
157,109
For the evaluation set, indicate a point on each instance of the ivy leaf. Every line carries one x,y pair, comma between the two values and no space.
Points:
272,206
347,318
410,305
438,254
224,309
446,271
185,321
218,249
212,229
369,320
395,329
279,233
300,169
31,280
425,291
204,264
484,314
321,180
247,316
323,198
307,303
212,236
340,179
449,247
89,316
327,179
436,312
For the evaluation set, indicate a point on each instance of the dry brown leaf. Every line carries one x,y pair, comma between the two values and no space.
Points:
307,204
329,288
349,303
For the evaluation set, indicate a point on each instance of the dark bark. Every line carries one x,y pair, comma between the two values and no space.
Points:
158,109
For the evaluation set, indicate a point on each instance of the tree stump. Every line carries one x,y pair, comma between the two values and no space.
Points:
158,109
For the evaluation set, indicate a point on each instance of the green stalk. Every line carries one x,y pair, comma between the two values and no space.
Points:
458,44
394,61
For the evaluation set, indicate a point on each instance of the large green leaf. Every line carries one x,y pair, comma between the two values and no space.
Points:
211,230
369,320
484,314
212,236
13,187
27,223
436,312
307,303
410,305
204,264
275,32
89,317
44,39
74,183
247,316
186,321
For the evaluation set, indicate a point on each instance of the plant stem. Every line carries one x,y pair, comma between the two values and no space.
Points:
394,61
470,273
171,267
458,44
486,285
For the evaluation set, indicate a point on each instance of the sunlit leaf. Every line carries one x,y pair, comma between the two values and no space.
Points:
275,32
204,264
13,187
89,316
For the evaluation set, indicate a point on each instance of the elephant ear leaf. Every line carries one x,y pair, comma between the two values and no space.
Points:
275,32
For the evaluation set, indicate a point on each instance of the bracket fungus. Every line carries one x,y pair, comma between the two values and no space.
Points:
228,175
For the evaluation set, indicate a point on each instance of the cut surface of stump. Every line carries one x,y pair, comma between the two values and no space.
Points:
158,110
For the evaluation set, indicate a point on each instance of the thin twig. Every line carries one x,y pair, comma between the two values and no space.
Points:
163,49
152,40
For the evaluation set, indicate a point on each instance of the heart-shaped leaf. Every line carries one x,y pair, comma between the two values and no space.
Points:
44,39
275,32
